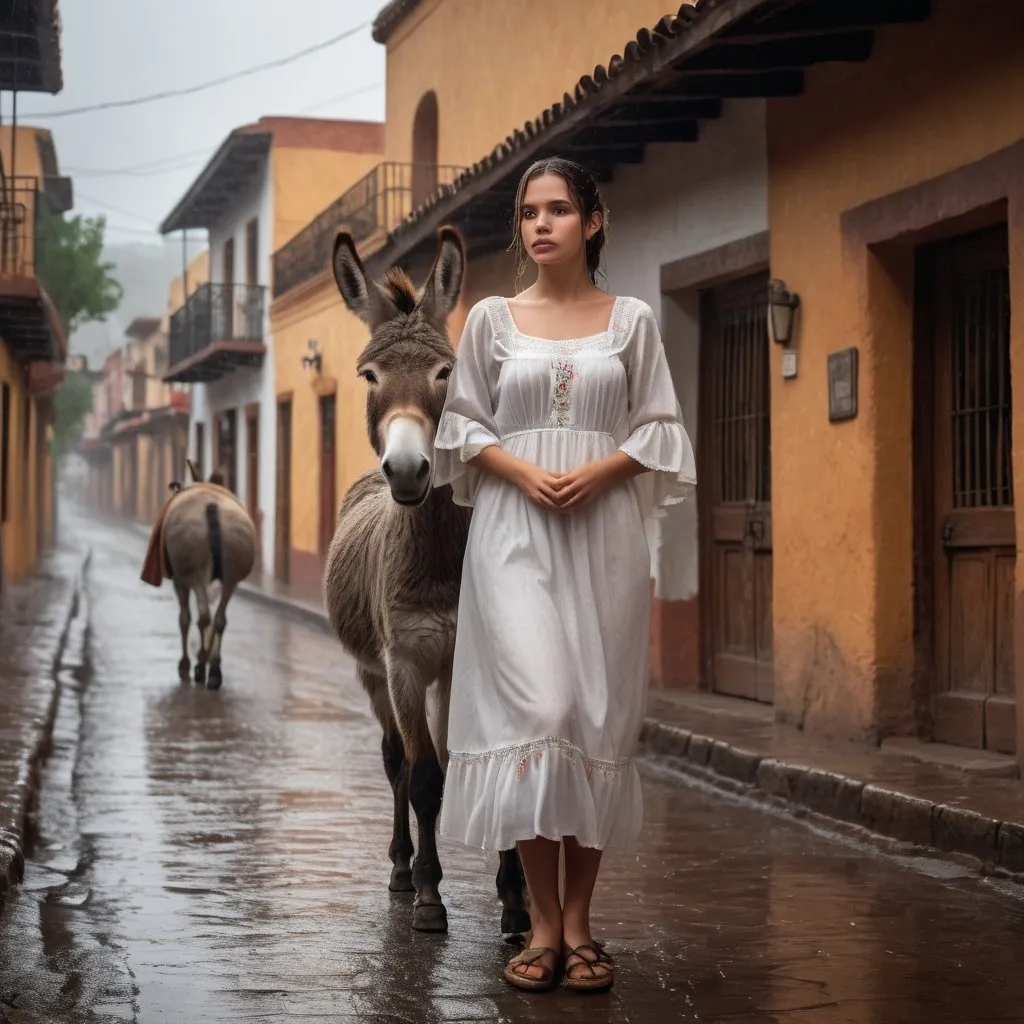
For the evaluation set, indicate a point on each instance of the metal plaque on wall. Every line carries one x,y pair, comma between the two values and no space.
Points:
842,385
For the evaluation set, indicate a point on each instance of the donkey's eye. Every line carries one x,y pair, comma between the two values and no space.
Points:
369,376
444,373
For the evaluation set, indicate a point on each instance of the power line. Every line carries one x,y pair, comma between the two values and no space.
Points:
154,234
90,173
188,90
117,209
337,99
163,165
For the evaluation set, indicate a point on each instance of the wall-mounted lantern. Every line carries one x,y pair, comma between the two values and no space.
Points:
782,305
313,360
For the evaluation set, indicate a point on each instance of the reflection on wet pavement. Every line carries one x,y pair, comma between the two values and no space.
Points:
222,856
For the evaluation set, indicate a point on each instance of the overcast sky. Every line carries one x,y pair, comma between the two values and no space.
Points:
121,49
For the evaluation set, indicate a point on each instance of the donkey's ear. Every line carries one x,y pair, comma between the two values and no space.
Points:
196,476
444,286
363,297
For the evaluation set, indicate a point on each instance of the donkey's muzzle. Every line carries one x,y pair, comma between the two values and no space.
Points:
408,476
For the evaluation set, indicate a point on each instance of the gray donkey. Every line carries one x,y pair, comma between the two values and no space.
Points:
203,534
394,568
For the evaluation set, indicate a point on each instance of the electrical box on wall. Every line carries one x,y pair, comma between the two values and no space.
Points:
789,364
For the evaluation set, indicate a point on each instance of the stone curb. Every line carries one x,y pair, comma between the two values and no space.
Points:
880,811
16,832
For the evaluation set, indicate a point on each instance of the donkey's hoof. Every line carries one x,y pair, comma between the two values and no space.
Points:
515,922
401,880
215,679
200,673
184,670
430,917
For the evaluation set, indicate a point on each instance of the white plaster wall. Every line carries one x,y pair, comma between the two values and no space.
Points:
686,198
246,385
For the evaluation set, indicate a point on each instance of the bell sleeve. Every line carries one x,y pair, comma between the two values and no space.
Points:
467,424
657,438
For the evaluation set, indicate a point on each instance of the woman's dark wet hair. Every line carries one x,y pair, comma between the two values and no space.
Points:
585,196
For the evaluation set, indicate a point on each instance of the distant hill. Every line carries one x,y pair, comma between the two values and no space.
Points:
145,270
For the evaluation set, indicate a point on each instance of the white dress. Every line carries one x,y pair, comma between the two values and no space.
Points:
550,675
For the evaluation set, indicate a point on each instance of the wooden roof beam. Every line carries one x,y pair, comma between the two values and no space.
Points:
839,16
737,87
655,109
613,136
782,54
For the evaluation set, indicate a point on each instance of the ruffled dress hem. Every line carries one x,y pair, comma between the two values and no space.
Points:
548,788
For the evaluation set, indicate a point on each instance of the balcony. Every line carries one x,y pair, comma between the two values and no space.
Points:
374,205
218,330
29,322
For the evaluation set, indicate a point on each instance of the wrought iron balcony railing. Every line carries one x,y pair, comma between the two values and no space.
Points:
216,313
378,202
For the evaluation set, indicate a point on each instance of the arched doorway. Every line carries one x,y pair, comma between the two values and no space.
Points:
424,149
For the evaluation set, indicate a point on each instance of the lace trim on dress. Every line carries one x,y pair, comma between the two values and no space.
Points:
612,339
535,751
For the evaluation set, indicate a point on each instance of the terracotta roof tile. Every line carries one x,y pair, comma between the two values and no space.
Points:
390,17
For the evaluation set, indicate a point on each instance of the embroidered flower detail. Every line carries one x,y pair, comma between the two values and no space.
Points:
564,376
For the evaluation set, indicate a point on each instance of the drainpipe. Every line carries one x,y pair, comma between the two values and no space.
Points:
14,135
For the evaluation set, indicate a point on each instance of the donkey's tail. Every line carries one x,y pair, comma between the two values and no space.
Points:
216,545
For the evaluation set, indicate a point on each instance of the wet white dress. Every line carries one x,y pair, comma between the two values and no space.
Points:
551,655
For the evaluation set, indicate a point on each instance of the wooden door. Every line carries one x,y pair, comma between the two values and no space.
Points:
252,252
974,542
735,443
283,501
227,448
252,461
252,476
229,289
328,457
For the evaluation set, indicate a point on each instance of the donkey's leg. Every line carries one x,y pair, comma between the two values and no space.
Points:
184,622
397,770
203,601
511,883
220,620
408,691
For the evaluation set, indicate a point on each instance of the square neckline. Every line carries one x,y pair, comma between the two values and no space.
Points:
563,341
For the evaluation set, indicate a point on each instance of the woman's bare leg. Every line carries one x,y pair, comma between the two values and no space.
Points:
539,858
581,867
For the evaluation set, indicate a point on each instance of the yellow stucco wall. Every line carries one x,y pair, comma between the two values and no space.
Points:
20,530
932,98
320,315
25,155
526,56
308,180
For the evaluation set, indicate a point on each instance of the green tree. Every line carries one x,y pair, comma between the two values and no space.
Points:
70,265
72,402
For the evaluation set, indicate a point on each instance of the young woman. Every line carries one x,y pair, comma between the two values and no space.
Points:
562,429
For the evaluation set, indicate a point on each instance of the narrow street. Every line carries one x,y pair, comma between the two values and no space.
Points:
222,856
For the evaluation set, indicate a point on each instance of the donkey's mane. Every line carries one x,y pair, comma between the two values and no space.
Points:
400,289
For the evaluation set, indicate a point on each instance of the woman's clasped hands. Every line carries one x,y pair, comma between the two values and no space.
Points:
567,492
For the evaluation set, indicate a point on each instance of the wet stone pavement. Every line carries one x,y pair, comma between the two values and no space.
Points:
222,856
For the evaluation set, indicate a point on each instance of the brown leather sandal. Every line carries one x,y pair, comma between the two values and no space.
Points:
531,958
596,980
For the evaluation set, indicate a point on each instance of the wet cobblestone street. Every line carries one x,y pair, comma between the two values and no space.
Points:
222,856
